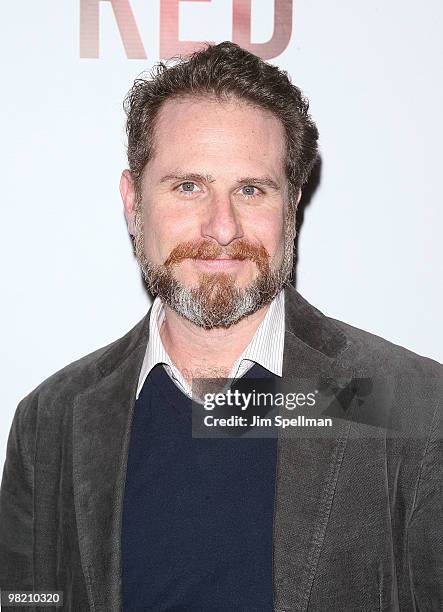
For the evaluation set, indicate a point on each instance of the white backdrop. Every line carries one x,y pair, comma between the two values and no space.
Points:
370,246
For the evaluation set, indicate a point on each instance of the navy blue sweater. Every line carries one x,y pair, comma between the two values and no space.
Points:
197,513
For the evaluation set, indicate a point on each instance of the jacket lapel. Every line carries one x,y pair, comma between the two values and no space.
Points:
307,466
101,428
307,469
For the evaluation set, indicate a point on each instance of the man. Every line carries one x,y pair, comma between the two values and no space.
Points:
108,497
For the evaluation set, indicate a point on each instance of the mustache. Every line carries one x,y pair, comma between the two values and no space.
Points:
242,249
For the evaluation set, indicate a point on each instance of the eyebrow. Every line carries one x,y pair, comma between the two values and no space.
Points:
264,181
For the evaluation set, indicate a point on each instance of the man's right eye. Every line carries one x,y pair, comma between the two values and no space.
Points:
187,187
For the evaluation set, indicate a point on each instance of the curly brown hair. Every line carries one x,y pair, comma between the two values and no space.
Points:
223,71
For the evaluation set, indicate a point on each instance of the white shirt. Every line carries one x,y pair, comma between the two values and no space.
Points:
265,348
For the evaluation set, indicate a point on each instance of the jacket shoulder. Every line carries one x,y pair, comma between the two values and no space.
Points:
373,352
78,375
413,385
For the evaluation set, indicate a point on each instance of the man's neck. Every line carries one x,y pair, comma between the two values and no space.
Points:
206,353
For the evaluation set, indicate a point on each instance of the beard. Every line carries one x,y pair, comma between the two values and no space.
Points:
216,301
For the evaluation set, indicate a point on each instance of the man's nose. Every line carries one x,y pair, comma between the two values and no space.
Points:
222,222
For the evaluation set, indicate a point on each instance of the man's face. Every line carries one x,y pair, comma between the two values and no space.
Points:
210,223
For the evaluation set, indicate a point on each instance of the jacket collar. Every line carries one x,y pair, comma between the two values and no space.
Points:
306,469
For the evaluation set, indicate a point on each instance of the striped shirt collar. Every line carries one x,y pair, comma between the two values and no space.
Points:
265,348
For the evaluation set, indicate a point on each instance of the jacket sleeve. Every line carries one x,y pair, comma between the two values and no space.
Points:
425,533
16,502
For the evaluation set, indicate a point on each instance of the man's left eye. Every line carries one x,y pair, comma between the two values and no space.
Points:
249,191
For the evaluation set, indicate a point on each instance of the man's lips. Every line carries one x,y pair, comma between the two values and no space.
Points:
219,263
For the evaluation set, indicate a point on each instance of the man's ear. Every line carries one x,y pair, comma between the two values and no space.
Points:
298,198
127,192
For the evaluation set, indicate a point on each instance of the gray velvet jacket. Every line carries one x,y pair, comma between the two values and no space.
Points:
358,514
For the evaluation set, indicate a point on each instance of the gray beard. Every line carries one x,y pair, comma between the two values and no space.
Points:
216,301
219,303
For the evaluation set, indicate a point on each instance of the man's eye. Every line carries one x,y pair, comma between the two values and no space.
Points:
250,191
187,187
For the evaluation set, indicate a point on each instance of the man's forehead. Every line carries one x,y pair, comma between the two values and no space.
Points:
241,148
215,112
